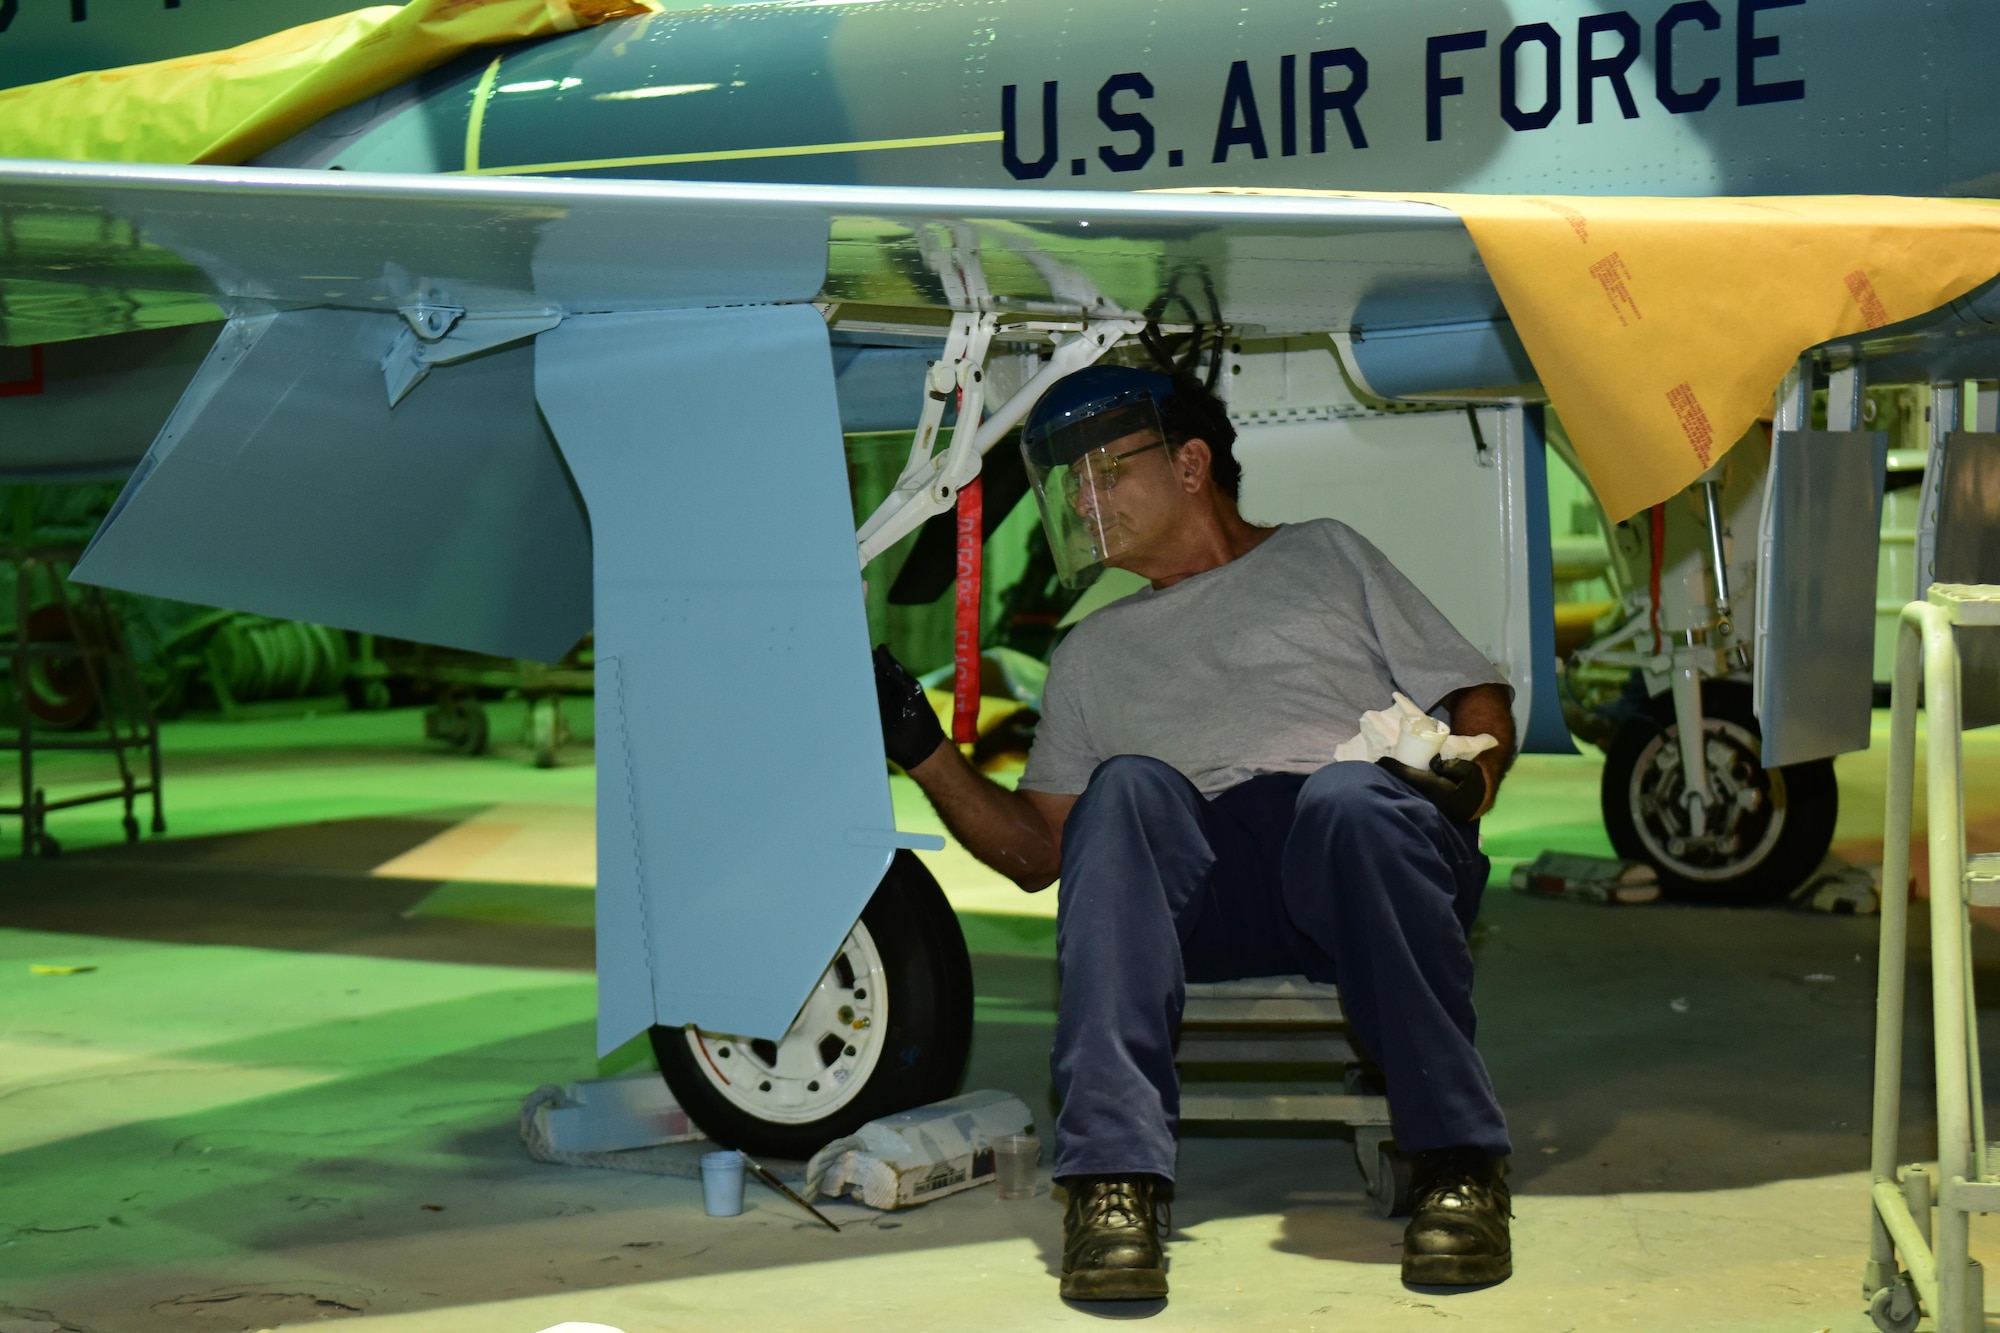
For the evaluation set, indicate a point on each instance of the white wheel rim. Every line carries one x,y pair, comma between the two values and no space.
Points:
1653,799
826,1058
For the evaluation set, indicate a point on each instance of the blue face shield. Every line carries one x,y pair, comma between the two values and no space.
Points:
1092,432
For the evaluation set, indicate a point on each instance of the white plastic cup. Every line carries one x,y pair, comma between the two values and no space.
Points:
1419,741
1015,1157
722,1183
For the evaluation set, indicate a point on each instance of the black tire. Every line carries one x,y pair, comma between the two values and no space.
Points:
1787,831
459,722
921,1059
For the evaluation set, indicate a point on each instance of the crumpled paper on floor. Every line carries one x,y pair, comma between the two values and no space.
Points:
916,1156
1409,735
1587,879
1842,889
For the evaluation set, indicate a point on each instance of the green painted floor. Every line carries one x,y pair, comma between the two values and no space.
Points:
285,1091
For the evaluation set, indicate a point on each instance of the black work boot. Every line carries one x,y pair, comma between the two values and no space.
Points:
1458,1234
1112,1238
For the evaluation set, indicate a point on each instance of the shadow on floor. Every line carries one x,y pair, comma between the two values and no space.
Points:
303,888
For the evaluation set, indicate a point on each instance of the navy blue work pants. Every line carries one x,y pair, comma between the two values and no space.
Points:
1345,875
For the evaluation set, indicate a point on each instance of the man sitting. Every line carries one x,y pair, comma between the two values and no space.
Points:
1182,784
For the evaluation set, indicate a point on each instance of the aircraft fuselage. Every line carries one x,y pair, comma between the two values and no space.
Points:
1660,97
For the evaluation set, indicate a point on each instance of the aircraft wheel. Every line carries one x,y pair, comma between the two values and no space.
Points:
888,1027
1772,826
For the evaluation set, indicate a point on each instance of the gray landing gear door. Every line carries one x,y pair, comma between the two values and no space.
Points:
1815,643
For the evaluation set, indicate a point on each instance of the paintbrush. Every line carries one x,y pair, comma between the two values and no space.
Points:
785,1190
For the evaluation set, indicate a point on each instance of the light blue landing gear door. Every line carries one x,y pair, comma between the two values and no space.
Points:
743,814
284,484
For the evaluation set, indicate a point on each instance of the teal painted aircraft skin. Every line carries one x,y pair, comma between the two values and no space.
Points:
1661,97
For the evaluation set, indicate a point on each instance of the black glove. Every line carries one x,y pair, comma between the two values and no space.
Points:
1455,786
910,730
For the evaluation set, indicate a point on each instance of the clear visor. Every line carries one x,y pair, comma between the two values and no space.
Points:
1089,523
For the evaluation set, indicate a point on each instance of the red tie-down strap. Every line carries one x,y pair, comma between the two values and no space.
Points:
1659,559
965,647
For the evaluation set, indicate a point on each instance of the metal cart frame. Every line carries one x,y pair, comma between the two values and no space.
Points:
1939,1279
1281,1024
126,714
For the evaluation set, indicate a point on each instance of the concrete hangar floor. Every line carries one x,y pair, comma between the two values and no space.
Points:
288,1090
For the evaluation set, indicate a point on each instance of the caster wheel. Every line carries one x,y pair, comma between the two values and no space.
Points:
375,695
1894,1308
1389,1183
131,829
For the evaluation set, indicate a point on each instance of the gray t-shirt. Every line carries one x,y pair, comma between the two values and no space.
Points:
1262,665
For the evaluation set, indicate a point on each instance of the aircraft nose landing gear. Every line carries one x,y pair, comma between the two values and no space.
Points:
1757,833
1735,819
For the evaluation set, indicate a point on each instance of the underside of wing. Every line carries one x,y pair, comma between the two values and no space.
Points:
1627,313
183,237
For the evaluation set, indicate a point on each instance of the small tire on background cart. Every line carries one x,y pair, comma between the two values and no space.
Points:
1778,822
460,722
888,1027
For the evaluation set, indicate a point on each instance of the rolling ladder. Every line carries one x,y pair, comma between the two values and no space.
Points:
1936,1276
1240,1030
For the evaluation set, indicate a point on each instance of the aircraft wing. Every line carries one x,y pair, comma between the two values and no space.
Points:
95,249
498,412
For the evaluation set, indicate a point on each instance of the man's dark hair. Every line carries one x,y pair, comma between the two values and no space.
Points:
1193,412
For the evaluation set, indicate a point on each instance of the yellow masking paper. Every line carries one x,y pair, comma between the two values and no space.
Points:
226,106
1662,327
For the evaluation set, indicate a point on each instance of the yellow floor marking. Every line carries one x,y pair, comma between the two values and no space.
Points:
557,845
735,154
509,844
